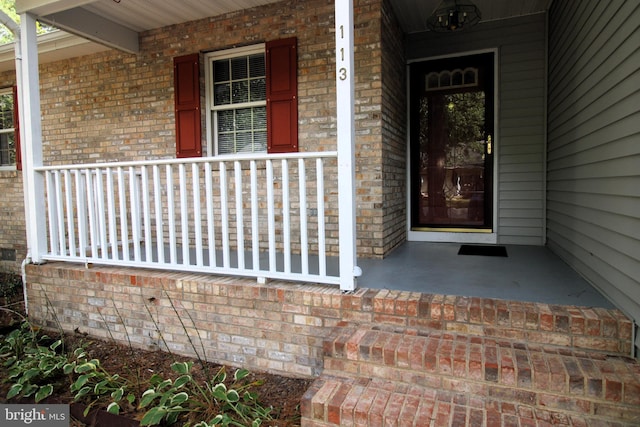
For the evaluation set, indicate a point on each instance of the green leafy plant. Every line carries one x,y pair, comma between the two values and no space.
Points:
236,405
36,364
33,366
95,384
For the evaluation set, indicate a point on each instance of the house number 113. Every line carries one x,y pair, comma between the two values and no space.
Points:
342,71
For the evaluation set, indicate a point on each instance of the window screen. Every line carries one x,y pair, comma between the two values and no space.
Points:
238,113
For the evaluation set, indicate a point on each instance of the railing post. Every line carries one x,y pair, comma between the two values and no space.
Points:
31,127
345,95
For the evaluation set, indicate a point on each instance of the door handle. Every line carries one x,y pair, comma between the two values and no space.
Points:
489,144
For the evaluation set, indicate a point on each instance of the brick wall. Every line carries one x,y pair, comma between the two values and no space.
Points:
114,106
394,131
13,240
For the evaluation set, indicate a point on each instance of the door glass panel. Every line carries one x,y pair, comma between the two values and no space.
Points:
452,153
452,159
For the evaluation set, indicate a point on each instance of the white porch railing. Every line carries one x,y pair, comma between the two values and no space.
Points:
260,216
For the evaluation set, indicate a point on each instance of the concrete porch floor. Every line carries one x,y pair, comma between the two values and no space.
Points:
528,273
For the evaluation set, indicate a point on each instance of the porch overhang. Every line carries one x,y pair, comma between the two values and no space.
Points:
54,46
95,28
117,25
69,15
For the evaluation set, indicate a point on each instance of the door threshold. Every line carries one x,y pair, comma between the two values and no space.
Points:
452,230
468,236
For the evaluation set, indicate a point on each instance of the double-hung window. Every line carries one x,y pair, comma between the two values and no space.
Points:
236,100
251,100
9,155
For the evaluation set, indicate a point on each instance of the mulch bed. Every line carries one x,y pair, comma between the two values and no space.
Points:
280,392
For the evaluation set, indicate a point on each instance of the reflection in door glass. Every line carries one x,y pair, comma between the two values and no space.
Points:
452,159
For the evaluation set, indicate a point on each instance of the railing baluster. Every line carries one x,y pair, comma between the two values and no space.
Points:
286,217
91,213
68,192
52,212
82,218
173,256
102,224
211,236
61,244
224,215
304,237
184,214
322,254
146,214
134,197
124,231
271,217
195,172
111,214
239,215
157,197
60,215
255,232
61,232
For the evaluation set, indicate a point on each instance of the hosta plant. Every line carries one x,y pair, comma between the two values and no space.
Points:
212,401
34,363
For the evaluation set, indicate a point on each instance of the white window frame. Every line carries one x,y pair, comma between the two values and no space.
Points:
211,124
8,91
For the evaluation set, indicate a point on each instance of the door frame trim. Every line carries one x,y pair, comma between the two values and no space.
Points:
470,235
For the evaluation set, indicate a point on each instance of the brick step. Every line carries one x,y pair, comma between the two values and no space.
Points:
440,359
343,401
589,328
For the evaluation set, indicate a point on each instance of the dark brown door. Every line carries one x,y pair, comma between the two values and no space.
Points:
452,143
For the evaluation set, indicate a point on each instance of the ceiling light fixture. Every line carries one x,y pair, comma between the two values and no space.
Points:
454,15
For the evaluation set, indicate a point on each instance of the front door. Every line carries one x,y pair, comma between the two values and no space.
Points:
452,144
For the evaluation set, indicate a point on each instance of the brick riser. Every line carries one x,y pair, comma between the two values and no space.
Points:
358,402
441,358
374,376
577,327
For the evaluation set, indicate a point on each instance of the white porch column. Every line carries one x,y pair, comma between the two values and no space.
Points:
29,104
345,95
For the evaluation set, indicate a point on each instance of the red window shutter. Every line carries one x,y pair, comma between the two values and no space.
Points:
186,74
16,126
282,96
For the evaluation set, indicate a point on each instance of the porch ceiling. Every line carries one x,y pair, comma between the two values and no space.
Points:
117,23
413,14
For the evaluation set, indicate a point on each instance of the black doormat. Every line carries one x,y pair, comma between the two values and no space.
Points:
485,250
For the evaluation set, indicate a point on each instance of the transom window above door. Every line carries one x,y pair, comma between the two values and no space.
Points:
451,79
236,100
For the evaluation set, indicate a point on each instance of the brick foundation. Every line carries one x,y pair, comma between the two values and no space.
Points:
280,327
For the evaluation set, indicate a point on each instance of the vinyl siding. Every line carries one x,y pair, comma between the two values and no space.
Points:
594,144
520,139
